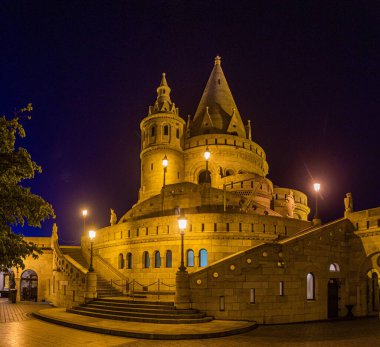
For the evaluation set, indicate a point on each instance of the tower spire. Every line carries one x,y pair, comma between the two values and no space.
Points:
163,102
217,111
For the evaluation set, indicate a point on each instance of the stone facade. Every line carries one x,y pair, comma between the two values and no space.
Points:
250,250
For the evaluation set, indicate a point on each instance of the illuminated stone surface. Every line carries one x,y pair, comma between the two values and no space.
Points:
235,216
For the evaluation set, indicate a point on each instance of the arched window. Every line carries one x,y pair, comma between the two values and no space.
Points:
166,130
129,260
153,131
230,172
203,258
121,261
310,286
334,267
146,260
157,259
169,258
204,177
177,133
190,258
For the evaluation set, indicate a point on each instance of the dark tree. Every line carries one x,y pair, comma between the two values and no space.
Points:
17,204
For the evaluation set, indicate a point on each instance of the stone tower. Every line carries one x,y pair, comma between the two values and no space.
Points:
162,134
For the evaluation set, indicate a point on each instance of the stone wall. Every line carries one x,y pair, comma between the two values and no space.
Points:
220,234
249,282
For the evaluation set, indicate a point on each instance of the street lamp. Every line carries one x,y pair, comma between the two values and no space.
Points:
207,155
165,163
317,187
91,235
182,224
84,214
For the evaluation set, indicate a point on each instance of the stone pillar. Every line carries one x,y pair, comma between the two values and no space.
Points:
182,298
18,287
91,279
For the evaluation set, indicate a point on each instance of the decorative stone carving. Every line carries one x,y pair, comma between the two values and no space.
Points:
348,203
290,204
113,219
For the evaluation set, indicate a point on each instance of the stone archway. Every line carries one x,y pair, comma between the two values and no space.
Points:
372,291
204,177
29,286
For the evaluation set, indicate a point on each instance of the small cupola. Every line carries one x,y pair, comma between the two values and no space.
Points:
163,102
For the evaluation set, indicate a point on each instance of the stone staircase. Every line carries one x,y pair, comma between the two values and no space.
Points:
76,254
105,289
140,311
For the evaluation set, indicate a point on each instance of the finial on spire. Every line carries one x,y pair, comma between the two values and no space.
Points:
218,60
163,80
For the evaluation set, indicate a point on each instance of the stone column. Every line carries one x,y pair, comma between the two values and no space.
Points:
182,297
18,287
91,279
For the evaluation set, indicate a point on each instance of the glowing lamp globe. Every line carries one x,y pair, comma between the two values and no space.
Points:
165,162
207,154
92,234
182,223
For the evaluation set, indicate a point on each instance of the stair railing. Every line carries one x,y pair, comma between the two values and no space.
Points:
109,273
145,287
104,268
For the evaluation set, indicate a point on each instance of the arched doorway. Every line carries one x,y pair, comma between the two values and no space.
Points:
204,177
332,298
29,286
372,292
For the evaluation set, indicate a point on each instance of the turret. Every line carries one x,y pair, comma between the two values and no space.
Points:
162,134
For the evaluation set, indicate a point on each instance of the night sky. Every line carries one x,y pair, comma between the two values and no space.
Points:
306,73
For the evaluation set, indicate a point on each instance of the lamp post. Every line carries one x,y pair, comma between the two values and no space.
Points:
91,235
165,163
182,224
84,214
207,155
317,187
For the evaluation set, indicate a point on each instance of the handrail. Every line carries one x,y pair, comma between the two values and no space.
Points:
158,282
74,263
99,258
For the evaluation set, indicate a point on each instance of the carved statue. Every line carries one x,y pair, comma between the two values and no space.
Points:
55,229
113,219
54,235
348,203
290,206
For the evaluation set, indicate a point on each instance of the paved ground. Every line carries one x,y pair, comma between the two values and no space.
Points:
17,328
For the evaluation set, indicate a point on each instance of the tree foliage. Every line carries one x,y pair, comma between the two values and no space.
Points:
18,205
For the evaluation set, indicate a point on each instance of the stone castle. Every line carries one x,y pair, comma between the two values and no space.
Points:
248,250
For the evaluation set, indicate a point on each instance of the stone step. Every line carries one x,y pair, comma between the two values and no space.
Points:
144,314
153,292
105,289
137,296
131,308
133,318
212,329
135,303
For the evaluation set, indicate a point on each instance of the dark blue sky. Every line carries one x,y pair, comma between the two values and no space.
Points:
306,73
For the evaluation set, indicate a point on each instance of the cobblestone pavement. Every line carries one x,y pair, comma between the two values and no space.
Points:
17,328
17,312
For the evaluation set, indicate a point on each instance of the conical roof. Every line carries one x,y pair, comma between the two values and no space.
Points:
163,102
217,111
